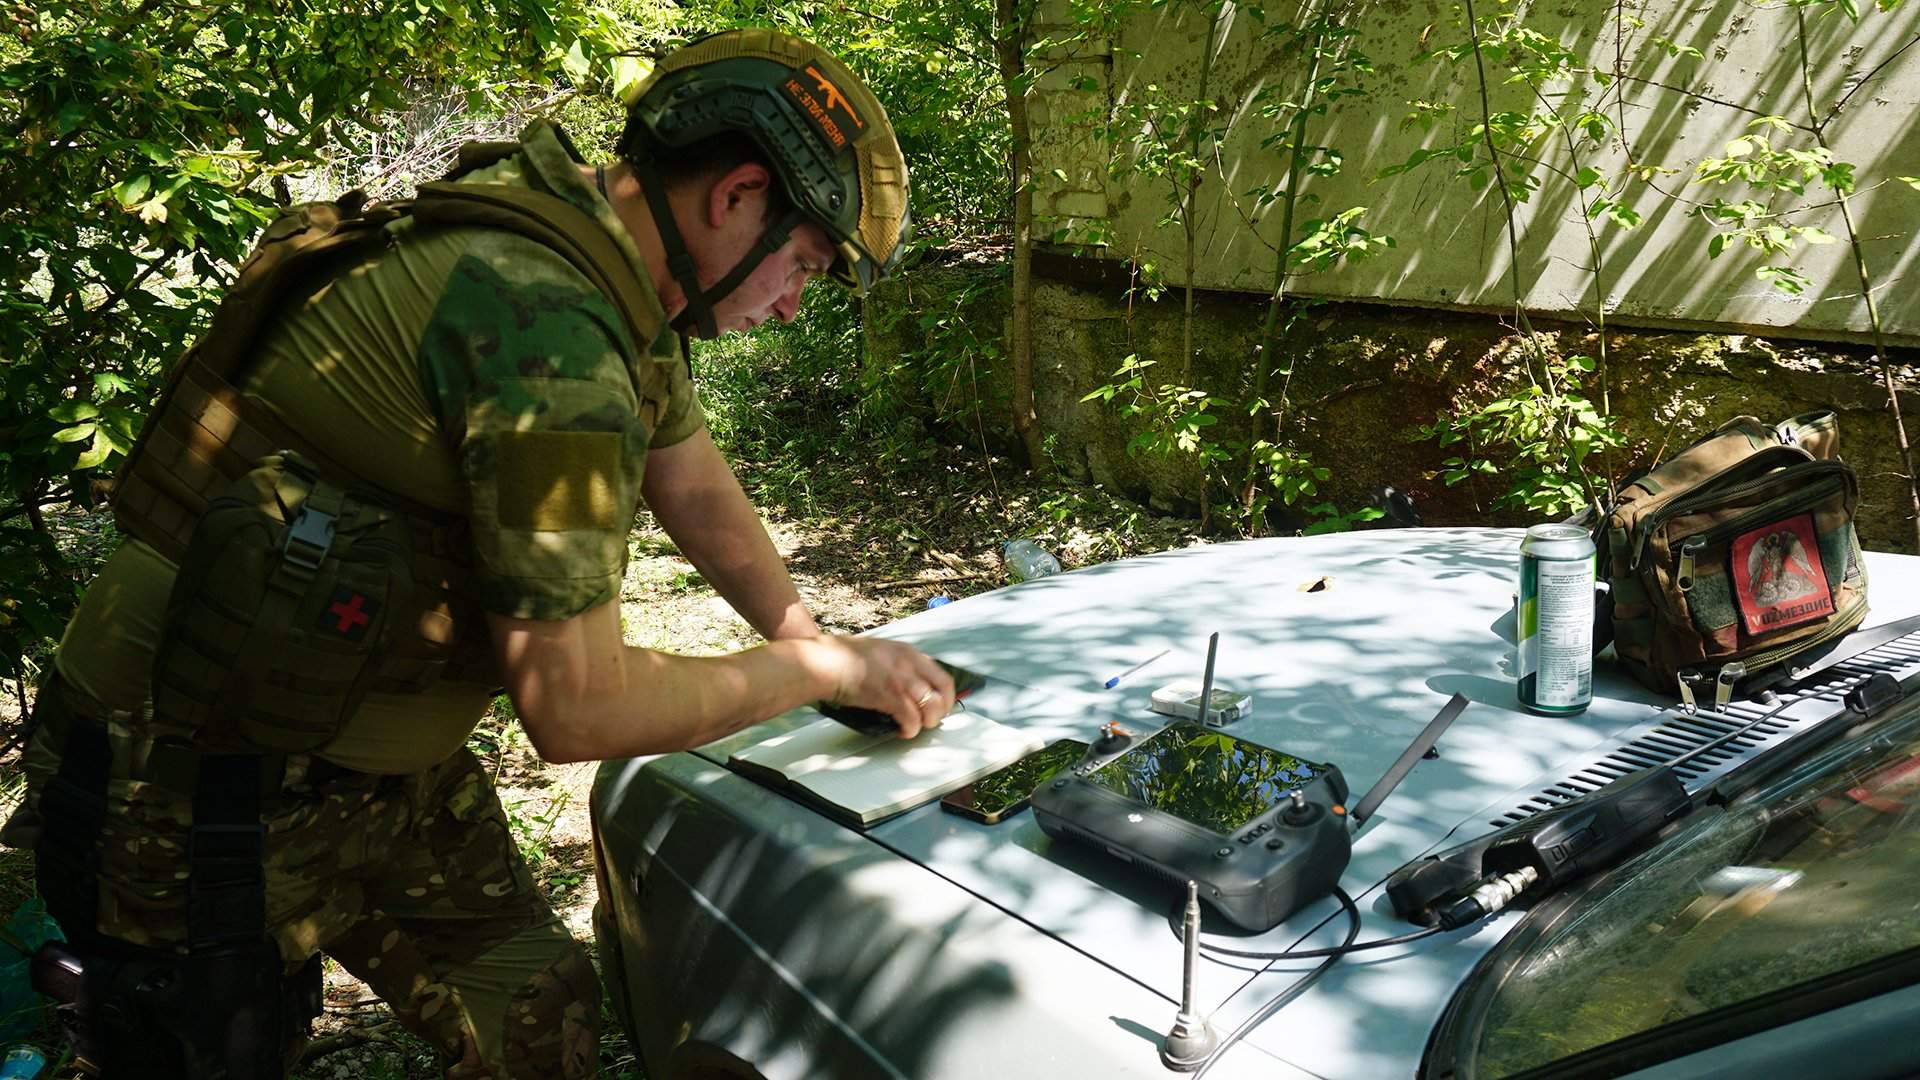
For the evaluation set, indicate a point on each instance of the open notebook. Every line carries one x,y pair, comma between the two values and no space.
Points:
863,779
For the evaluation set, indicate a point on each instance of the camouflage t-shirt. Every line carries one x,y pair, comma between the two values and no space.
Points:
470,370
477,371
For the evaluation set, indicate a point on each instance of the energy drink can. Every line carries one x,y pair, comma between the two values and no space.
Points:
1556,620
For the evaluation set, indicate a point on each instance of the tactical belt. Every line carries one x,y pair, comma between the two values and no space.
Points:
226,1009
226,884
73,807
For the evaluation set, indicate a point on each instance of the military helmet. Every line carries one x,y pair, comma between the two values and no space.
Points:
825,135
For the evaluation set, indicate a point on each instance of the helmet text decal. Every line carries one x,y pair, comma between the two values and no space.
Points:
824,104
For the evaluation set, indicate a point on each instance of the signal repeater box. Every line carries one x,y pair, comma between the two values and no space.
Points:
1181,700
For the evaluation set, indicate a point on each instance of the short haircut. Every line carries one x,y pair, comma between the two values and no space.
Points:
710,158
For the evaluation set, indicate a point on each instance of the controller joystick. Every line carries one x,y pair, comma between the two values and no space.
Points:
1299,811
1113,739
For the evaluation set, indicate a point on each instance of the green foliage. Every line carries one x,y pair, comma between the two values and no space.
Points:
1752,160
1534,439
1173,419
1548,428
960,349
137,171
1173,140
1290,473
145,146
788,396
1184,422
531,819
1331,519
1159,132
1326,241
40,592
1503,144
1072,505
499,735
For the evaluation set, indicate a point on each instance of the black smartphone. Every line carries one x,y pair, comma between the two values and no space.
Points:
999,795
875,722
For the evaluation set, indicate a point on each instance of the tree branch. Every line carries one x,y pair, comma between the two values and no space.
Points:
1709,98
1869,76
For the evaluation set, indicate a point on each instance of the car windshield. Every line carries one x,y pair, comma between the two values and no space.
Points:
1808,877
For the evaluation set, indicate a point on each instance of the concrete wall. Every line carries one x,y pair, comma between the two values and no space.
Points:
1452,248
1367,376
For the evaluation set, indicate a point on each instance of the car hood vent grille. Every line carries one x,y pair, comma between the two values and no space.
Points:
1677,732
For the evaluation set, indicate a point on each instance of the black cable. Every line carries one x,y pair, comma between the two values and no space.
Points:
1337,951
1300,985
1173,923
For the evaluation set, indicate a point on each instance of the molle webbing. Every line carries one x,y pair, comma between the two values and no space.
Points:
205,433
285,614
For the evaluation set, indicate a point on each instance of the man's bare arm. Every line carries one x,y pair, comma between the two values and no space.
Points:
582,694
692,491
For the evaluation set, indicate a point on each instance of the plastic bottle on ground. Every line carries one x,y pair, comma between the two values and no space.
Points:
22,1063
22,932
1026,560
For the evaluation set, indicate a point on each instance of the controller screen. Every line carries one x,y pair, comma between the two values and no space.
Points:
1205,776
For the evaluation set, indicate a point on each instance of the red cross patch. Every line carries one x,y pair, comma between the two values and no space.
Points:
349,614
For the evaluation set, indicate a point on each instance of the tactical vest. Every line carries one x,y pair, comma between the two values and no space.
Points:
205,434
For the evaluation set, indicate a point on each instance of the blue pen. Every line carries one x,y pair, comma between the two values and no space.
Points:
1115,681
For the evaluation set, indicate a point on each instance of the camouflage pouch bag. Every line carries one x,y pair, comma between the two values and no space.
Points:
287,599
1735,556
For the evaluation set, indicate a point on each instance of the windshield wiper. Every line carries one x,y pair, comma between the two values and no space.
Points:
1870,700
1792,676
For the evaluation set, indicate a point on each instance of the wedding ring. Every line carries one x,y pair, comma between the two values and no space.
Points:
923,699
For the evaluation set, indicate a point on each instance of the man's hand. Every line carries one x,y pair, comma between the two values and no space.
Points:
583,695
893,678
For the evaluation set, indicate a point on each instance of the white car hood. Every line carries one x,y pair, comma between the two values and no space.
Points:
1348,674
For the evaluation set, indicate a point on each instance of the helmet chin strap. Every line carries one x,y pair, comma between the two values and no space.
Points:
697,319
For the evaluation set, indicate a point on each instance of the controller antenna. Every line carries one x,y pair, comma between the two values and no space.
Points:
1192,1040
1206,682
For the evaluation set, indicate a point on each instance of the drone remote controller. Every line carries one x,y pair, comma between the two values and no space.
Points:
1263,832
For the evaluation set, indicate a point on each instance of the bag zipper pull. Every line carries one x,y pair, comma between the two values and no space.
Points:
1689,548
1723,684
1686,678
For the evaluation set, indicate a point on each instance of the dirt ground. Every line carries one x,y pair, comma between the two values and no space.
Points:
864,548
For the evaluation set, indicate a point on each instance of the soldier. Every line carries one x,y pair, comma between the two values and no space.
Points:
221,791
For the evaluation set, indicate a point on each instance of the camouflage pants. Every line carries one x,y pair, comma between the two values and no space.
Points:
412,883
